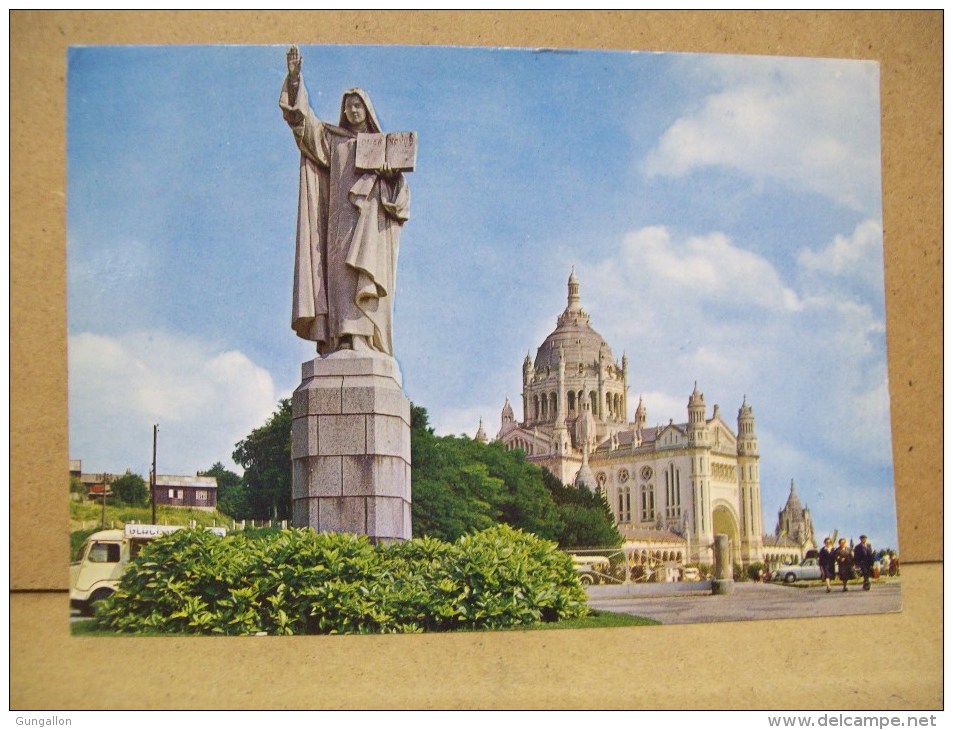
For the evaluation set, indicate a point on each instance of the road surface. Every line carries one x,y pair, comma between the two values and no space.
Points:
751,601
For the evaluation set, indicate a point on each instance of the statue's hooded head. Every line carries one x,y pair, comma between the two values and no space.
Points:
373,125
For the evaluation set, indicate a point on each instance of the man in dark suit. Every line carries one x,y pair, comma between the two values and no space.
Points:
864,560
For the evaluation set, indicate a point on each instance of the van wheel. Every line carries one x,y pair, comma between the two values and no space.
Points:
98,595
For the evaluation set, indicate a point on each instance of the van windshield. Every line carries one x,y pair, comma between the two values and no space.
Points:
104,552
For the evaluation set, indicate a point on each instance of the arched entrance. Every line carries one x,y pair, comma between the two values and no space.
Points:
725,522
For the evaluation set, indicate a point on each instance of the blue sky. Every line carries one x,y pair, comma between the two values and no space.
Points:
722,212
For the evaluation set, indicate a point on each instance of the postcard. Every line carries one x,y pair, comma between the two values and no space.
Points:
627,305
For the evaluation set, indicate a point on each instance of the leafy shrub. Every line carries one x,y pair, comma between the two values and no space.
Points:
299,581
754,571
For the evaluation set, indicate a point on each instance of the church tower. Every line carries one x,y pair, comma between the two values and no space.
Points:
561,442
506,415
641,414
696,418
749,483
527,379
624,413
794,520
700,456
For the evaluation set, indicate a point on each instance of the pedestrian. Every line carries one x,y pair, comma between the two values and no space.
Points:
844,559
864,560
894,565
825,559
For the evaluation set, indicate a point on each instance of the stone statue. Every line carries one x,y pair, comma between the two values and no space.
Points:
349,223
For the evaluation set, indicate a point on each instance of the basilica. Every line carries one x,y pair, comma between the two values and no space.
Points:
670,487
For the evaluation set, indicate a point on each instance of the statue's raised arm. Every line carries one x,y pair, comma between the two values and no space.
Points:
294,73
294,62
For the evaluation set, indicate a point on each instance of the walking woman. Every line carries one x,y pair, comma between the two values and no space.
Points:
844,558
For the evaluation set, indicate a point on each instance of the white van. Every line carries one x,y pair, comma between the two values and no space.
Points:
103,559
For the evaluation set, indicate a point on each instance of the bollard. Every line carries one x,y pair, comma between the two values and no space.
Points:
723,581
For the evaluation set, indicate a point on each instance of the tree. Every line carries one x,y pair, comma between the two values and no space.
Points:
232,497
461,485
131,489
76,486
265,454
452,495
525,502
587,519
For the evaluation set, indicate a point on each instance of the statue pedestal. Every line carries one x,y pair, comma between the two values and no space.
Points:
350,450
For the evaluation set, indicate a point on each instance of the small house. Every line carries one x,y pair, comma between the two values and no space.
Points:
187,491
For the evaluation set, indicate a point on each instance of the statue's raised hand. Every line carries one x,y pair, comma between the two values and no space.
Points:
294,62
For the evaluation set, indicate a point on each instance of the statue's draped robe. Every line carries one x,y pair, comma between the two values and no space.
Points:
348,232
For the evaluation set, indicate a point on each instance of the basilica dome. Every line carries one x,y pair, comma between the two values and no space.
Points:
579,342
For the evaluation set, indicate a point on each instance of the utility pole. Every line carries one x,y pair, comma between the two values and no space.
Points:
105,480
152,480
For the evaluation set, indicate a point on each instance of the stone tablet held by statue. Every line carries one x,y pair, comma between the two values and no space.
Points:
398,150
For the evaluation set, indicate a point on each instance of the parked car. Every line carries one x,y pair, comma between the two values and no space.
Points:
807,570
592,569
691,574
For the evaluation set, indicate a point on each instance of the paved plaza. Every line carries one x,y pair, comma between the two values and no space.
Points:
748,601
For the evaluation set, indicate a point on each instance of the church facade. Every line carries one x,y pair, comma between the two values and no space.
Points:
670,487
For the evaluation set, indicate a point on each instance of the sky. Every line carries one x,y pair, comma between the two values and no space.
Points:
722,213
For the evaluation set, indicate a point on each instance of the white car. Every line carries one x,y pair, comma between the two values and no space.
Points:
691,574
807,570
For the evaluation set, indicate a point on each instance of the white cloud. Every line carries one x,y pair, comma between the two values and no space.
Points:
711,361
812,363
813,125
203,399
708,268
857,257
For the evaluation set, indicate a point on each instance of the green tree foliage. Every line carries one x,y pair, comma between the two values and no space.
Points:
587,519
232,497
76,486
461,485
265,454
297,581
131,489
450,496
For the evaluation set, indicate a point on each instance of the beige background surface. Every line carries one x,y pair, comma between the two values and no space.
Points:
696,666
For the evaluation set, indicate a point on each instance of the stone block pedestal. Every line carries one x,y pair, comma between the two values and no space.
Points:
350,450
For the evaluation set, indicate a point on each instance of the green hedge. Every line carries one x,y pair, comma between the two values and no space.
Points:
302,582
